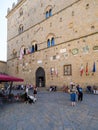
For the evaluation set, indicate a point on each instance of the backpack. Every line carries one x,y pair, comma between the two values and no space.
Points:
80,89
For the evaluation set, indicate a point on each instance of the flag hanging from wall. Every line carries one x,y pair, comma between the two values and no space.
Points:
81,70
56,72
51,71
21,53
86,71
94,68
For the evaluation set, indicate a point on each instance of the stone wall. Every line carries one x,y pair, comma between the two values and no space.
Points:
74,26
3,67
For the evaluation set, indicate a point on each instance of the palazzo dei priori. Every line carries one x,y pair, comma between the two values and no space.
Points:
53,42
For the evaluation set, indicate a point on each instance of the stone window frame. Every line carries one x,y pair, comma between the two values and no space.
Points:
20,12
48,11
21,28
34,46
24,50
50,40
67,70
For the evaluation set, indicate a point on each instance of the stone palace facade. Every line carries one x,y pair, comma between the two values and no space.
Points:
53,42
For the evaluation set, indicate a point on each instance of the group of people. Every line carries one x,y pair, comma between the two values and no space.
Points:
74,92
30,98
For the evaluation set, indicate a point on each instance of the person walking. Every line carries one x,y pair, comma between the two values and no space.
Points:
26,93
27,89
80,93
35,91
73,92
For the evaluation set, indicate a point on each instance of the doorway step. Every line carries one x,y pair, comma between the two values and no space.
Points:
42,89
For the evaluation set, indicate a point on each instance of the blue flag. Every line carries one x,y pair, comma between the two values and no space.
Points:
94,67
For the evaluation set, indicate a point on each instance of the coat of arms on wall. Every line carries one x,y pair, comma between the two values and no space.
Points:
75,51
85,49
95,48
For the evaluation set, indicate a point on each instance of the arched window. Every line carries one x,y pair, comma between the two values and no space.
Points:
50,12
48,43
52,41
20,12
21,28
34,46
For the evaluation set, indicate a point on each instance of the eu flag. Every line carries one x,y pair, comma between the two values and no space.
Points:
94,67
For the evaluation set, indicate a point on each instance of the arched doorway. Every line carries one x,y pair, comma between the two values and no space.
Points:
40,77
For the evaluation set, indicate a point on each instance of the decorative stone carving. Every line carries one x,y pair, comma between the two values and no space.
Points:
95,48
75,51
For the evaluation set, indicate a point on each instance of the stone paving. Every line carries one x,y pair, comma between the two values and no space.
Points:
52,111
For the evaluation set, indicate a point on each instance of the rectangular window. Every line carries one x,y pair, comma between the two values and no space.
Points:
68,70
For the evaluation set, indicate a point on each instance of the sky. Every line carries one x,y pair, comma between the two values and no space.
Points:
4,5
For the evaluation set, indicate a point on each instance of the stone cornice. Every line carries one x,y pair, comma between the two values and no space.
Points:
15,8
3,62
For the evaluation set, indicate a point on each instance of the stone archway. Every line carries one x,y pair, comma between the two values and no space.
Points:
40,77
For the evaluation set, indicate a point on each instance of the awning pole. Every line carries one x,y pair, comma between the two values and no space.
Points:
10,88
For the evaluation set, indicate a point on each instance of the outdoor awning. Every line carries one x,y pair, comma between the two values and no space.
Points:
8,78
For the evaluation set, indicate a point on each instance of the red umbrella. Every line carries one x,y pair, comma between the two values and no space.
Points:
6,78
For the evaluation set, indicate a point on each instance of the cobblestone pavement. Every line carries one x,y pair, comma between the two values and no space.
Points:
52,111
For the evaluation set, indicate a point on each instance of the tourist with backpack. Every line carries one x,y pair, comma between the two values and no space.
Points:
80,93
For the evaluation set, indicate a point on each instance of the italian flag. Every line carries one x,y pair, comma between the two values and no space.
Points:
81,70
